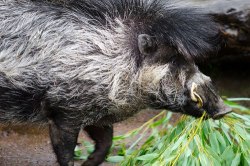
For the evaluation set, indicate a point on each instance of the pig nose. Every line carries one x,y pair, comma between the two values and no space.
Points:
223,110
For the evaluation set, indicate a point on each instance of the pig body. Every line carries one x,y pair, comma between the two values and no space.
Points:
88,64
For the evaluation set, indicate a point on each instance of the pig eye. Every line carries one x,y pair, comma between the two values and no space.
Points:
146,44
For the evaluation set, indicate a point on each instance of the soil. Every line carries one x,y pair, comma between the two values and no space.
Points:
29,145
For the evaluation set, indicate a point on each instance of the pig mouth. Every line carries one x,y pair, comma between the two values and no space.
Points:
195,97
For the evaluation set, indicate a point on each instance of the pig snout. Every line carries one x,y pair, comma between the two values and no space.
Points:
222,110
205,97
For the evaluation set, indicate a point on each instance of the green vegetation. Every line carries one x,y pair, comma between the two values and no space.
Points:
190,142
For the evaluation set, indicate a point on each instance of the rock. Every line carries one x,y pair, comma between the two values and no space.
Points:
234,18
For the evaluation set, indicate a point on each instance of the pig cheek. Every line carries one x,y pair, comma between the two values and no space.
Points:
151,76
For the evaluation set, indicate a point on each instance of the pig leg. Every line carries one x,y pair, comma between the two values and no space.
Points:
64,140
103,141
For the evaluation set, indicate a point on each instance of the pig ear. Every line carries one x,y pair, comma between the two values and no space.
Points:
146,44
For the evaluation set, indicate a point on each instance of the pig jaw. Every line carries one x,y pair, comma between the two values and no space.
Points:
203,93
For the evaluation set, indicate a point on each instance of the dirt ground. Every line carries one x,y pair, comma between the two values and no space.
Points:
30,145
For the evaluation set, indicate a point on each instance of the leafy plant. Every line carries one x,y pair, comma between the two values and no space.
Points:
191,142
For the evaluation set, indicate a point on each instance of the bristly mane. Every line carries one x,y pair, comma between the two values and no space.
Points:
193,33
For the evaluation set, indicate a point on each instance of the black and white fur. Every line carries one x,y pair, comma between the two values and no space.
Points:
90,63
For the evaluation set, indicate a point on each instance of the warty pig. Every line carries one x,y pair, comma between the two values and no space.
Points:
90,63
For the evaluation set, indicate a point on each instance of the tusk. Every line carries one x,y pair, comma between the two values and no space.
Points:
200,102
194,95
193,89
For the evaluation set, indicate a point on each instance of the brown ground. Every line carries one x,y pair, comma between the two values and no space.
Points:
30,145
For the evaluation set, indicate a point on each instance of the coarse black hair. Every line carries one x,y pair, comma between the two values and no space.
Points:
189,30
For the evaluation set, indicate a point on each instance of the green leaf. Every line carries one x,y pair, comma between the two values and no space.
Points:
214,143
222,141
77,151
236,160
89,146
235,105
147,157
156,163
185,161
247,158
115,159
158,122
169,159
228,154
188,152
225,133
203,159
216,158
238,99
241,132
191,162
119,137
178,142
245,118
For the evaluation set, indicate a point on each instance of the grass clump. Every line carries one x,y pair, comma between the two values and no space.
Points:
190,142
